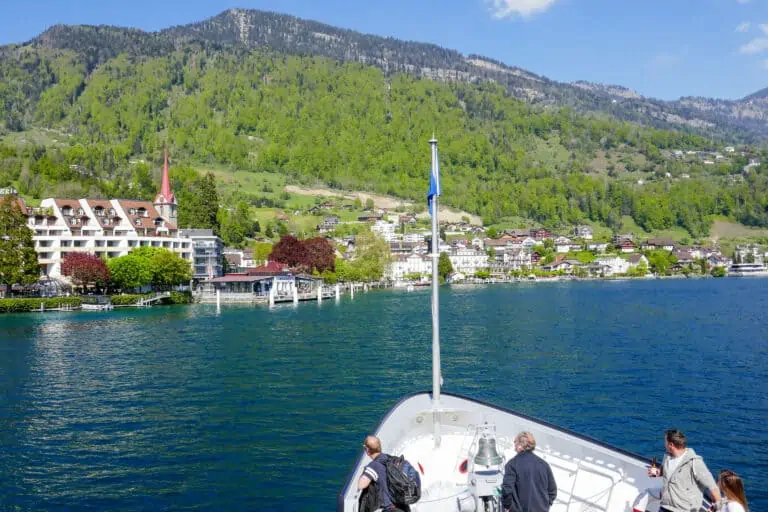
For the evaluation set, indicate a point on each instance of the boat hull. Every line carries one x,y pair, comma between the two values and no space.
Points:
590,475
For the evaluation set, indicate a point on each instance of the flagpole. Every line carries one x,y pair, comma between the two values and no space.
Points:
436,377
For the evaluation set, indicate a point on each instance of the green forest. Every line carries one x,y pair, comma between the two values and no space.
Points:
350,127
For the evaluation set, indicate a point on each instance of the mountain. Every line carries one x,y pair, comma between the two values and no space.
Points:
87,111
742,120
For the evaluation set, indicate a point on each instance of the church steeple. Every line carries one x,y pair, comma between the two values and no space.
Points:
165,201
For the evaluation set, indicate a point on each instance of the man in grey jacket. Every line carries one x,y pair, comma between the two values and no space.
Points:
685,475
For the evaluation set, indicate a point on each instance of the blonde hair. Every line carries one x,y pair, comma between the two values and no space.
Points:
732,486
372,444
525,441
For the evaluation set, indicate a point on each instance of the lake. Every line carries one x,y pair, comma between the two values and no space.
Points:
187,408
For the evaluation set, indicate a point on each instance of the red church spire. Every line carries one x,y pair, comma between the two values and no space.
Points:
165,195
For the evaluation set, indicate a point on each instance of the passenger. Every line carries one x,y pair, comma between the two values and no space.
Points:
376,473
529,485
733,491
685,474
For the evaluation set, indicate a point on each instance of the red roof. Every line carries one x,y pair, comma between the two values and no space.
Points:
165,195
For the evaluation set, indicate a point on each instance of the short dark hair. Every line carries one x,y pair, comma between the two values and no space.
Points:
675,437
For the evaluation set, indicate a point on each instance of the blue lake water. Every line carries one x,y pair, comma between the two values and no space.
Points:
182,408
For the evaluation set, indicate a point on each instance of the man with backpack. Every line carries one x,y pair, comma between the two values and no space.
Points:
396,482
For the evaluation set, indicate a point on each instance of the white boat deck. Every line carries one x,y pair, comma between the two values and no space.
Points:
590,475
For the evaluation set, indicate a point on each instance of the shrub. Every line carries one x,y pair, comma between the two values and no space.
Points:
27,305
126,300
180,298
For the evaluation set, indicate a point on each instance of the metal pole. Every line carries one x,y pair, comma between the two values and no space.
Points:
436,377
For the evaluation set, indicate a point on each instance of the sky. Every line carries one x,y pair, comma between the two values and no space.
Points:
661,48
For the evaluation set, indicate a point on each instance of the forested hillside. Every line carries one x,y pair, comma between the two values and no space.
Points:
106,114
743,120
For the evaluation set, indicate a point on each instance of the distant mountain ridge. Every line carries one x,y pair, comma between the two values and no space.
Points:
742,120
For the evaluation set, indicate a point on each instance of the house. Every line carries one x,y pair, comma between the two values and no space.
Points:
517,259
637,260
584,232
384,229
369,217
562,244
540,234
468,261
555,265
718,260
407,219
477,243
617,239
329,224
684,256
626,246
535,257
610,266
664,244
403,265
597,246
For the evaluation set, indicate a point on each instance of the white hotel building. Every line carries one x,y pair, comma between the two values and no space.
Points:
108,228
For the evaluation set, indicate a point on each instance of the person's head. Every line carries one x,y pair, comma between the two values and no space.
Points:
525,442
372,446
674,441
732,487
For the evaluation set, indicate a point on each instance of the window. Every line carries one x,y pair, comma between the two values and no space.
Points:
67,210
132,211
142,212
80,211
74,221
112,211
99,211
137,222
105,221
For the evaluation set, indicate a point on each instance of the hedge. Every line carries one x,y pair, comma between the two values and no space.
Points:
180,298
27,305
127,299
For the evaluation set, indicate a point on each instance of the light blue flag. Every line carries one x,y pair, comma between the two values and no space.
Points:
434,186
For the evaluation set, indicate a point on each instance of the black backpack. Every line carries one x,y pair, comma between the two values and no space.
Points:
403,480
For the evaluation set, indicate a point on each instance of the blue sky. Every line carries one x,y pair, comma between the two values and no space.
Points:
661,48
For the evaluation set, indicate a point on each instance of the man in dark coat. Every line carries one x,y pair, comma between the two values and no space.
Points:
529,485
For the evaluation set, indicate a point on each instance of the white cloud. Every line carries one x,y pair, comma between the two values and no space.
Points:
764,64
764,28
744,27
757,45
742,1
524,8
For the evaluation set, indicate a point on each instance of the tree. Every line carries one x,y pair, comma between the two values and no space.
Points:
289,250
369,204
130,271
237,226
150,265
199,204
718,272
372,255
320,255
444,265
167,267
18,259
492,233
85,269
269,233
261,251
